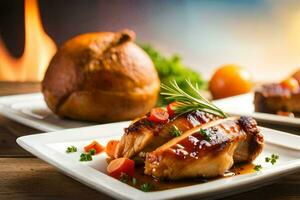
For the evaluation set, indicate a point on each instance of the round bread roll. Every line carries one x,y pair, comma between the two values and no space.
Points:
101,77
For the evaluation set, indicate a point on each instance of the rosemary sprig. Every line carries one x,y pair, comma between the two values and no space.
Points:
190,100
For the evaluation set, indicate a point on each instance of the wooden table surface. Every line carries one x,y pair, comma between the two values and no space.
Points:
23,176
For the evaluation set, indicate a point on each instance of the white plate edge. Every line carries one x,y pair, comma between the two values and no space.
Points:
284,169
161,194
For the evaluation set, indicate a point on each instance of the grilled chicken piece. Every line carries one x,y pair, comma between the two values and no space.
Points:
208,150
251,147
145,136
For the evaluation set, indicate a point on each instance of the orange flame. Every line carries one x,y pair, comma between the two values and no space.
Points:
39,49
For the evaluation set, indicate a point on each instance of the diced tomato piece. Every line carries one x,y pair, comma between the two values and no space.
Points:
291,84
119,166
111,148
94,145
171,108
158,115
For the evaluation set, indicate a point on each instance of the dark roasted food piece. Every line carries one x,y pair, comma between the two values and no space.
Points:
208,150
274,98
145,136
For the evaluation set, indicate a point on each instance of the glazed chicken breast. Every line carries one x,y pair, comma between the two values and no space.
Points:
145,136
189,138
207,150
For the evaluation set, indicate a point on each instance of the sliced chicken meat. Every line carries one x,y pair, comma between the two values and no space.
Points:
144,136
207,150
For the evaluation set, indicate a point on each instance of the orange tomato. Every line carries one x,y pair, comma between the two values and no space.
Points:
290,84
94,145
230,80
120,165
111,148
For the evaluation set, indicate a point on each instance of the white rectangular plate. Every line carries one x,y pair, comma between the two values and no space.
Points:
243,105
31,110
51,147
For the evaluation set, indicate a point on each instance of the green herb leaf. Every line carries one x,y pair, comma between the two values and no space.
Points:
71,149
189,100
124,177
146,187
175,132
172,68
273,159
85,157
148,123
92,151
138,160
205,134
274,156
257,167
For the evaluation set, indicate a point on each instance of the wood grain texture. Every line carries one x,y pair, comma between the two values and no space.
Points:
31,178
11,88
9,131
25,177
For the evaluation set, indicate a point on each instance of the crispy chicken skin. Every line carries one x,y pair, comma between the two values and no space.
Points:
247,150
144,136
208,150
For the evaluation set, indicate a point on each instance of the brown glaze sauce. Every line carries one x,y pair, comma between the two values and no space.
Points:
158,185
191,120
196,144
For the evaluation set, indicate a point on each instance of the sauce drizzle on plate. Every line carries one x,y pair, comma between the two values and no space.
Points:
159,185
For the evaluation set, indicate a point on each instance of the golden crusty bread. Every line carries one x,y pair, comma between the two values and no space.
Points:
102,77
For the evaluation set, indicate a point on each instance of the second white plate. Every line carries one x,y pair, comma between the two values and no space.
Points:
31,110
243,105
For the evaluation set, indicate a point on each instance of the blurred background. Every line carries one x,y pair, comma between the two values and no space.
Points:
261,35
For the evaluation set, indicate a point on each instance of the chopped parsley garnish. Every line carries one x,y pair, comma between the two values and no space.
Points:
88,156
148,123
85,157
175,132
146,187
92,152
257,167
205,134
140,160
124,178
71,149
273,159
